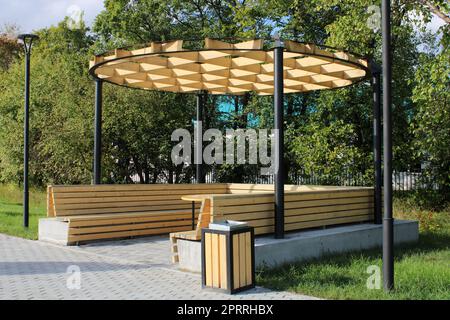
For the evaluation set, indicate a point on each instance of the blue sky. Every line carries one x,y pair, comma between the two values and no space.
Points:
30,15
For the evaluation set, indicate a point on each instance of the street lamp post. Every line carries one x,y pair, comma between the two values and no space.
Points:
388,221
27,40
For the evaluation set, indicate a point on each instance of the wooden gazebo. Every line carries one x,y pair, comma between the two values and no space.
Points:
230,68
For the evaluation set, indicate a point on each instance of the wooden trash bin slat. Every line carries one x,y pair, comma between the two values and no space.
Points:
228,260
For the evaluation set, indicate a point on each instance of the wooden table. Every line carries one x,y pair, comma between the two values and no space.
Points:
195,198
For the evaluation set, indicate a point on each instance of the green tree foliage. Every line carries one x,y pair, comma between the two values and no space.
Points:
431,124
327,131
327,150
125,22
9,46
136,127
61,111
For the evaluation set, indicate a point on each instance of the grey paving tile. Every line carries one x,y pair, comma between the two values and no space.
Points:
125,269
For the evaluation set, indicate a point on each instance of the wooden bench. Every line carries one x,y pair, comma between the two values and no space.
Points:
83,213
92,212
203,221
305,207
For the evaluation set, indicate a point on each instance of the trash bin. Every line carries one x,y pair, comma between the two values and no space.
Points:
228,256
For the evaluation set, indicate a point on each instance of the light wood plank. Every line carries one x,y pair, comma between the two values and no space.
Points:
325,216
242,257
130,215
325,202
126,227
128,204
223,261
123,234
122,210
136,187
119,199
50,204
105,222
140,193
327,222
208,259
248,258
236,253
215,260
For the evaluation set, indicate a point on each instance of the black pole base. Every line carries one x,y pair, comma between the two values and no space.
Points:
388,254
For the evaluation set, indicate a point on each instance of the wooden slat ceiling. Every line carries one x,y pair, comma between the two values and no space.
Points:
226,68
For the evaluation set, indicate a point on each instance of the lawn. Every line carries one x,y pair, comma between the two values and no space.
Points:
11,211
422,271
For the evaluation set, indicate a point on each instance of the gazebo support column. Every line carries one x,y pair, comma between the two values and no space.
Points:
388,221
279,140
200,178
98,131
376,85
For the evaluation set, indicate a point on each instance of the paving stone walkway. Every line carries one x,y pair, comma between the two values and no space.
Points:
124,270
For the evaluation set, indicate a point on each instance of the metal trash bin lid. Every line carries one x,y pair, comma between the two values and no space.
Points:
227,225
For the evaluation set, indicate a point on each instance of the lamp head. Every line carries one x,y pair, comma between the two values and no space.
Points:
27,41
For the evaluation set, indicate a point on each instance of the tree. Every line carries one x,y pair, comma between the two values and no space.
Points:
9,46
431,122
60,114
441,8
137,124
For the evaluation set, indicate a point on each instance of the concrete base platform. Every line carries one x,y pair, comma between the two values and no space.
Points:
53,230
308,244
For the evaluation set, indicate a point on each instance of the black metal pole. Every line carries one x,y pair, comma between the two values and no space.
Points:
199,138
388,221
98,131
27,40
376,86
26,139
279,142
193,215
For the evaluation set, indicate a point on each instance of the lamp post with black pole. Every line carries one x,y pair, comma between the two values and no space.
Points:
388,220
27,41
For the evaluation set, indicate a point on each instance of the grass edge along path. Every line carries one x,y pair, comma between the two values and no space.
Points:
11,211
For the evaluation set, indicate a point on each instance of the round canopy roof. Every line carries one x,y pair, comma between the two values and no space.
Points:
228,68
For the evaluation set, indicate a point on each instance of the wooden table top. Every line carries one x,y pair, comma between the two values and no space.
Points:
196,197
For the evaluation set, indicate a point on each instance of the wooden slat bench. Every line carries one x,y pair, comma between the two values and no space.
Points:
305,207
203,221
84,213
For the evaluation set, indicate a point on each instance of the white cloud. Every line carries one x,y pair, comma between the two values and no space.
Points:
30,15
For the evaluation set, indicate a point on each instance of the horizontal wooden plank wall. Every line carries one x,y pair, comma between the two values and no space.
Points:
116,211
107,199
245,188
306,208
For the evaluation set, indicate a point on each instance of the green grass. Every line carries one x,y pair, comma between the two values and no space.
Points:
11,211
422,271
